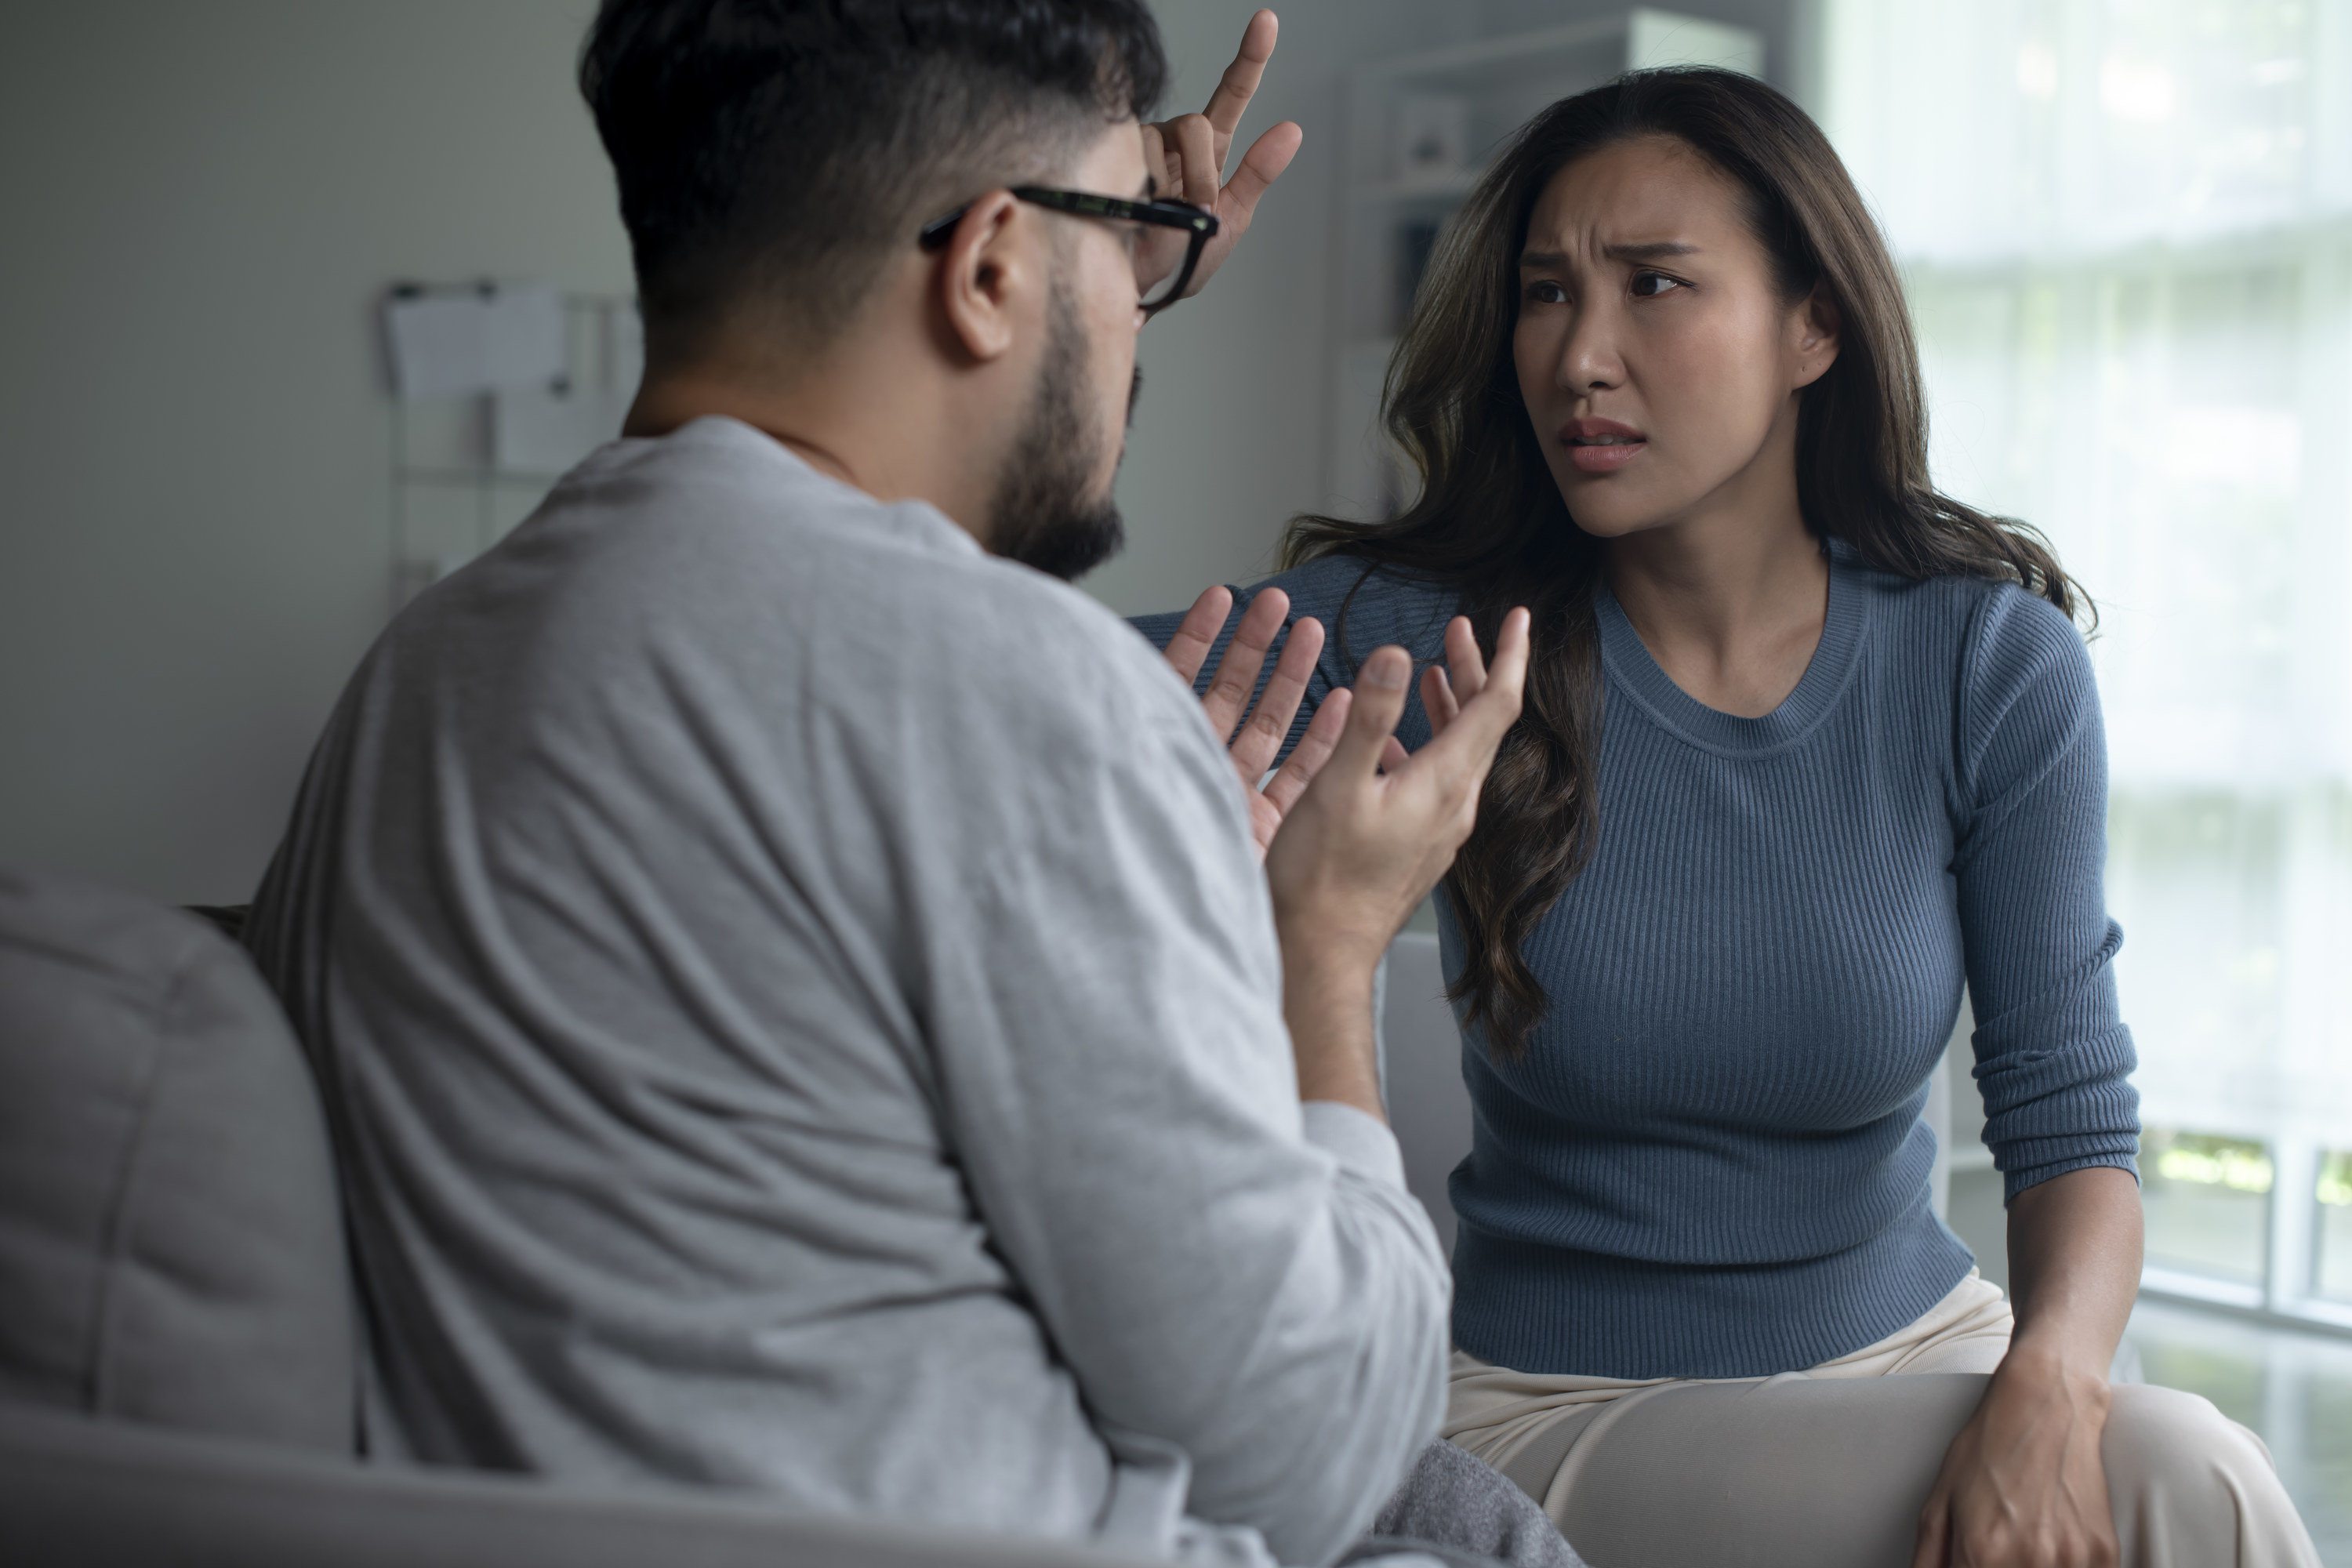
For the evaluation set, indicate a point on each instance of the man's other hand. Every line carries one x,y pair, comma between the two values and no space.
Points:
1187,156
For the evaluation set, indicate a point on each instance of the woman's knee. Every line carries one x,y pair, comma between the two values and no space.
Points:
2189,1485
2175,1439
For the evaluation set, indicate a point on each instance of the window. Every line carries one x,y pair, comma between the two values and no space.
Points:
2332,1276
2209,1203
2127,229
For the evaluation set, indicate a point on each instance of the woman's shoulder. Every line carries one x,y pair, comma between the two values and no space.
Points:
1981,622
1365,603
2013,665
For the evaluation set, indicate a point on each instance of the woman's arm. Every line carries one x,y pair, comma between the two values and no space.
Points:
2023,1483
2073,1271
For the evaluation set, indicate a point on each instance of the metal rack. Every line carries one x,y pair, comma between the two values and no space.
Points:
452,494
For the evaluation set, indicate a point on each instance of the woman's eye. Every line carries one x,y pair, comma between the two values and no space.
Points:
1650,285
1546,292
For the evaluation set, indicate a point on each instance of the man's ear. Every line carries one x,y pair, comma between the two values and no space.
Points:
981,276
1814,335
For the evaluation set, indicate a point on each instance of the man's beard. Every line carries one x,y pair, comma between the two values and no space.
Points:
1041,515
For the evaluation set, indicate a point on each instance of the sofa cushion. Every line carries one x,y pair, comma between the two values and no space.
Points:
86,1494
171,1241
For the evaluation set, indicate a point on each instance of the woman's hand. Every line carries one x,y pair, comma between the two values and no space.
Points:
2023,1484
1187,156
1254,744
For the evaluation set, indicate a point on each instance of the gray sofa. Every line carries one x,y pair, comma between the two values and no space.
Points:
178,1347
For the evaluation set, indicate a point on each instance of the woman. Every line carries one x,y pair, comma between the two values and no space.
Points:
1806,745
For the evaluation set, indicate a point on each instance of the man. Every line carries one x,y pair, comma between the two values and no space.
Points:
792,983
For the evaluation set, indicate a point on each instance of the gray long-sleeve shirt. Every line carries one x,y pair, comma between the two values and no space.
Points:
799,1012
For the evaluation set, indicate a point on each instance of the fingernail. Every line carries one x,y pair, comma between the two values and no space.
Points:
1389,674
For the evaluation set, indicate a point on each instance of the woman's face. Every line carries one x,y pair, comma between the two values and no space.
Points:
1657,359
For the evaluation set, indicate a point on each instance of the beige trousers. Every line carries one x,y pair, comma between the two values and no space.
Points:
1829,1468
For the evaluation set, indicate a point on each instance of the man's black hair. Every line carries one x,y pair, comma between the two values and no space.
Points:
783,148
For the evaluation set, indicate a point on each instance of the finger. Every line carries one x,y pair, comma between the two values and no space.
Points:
1308,757
1468,666
1393,756
1195,145
1486,715
1512,650
1263,164
1380,688
1436,699
1239,84
1188,650
1269,723
1502,685
1237,204
1935,1533
1157,163
1237,679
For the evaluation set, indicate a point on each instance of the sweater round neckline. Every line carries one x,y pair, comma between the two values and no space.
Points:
1630,666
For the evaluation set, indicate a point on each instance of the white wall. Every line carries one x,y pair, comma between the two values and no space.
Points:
203,202
1790,28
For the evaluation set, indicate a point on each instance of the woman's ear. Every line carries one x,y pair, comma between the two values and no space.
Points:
1813,336
981,276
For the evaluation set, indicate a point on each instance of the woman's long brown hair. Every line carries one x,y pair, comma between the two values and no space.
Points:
1490,521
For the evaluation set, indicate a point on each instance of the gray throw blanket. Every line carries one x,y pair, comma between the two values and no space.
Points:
1466,1514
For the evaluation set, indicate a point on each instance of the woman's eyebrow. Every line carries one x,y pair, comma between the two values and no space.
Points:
1652,250
1649,250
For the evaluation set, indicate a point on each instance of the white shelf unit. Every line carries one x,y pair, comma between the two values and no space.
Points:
1391,208
454,491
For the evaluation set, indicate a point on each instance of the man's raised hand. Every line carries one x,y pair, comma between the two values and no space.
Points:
1186,155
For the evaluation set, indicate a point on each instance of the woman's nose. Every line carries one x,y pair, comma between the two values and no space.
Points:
1589,360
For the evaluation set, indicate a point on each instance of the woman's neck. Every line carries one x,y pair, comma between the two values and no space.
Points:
1731,608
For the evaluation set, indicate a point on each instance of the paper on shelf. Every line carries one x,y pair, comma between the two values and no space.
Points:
545,429
455,343
537,430
625,349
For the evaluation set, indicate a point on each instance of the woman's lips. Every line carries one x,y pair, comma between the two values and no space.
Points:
1603,459
1601,446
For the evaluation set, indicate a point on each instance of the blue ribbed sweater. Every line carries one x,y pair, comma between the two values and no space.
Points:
1710,1161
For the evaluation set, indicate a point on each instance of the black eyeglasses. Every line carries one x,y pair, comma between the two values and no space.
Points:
1159,281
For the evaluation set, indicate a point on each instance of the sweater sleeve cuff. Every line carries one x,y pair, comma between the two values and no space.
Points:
1361,1142
2016,1182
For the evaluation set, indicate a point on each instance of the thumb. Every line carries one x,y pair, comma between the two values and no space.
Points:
1379,703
